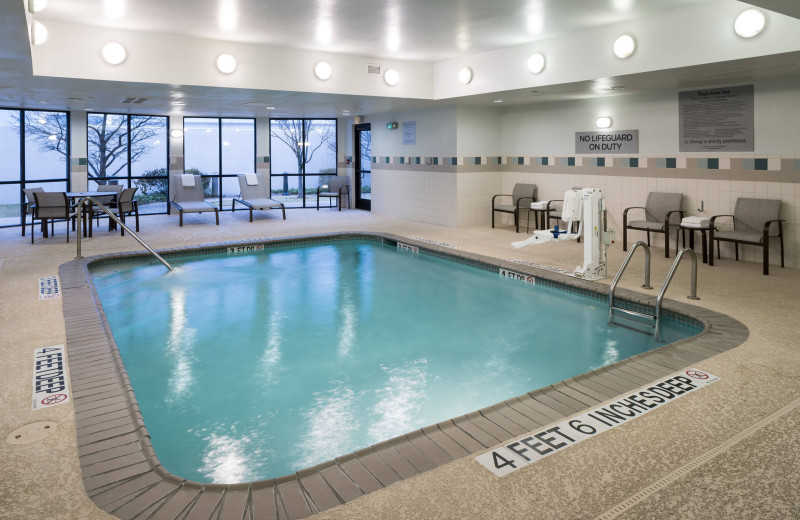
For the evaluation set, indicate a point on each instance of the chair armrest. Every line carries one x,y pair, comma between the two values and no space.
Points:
625,213
714,219
499,195
531,199
669,215
780,226
549,202
344,189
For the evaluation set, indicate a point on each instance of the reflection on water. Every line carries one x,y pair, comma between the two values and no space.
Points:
225,458
400,400
179,345
269,363
330,426
347,326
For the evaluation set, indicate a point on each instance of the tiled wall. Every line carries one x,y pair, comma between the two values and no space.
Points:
420,191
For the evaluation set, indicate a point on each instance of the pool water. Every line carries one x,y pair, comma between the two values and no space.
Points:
255,366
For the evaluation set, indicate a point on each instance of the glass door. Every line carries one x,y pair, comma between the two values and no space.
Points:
363,166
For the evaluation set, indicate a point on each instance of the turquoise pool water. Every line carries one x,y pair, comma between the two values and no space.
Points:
254,366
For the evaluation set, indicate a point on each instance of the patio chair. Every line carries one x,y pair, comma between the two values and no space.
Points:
754,222
188,196
662,213
338,187
29,205
108,202
521,197
254,193
125,205
52,206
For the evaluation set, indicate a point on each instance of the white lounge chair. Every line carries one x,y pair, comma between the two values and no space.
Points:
254,193
188,196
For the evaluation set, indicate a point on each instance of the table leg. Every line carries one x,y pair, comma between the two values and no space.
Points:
705,246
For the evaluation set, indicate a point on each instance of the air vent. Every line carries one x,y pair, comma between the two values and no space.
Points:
373,70
136,100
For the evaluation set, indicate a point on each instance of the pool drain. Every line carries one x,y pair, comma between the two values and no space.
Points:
32,432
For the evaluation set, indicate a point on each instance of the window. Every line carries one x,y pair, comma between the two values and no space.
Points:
131,151
41,140
303,158
219,149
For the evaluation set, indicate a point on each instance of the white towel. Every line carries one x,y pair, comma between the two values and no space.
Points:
187,180
542,204
695,222
251,179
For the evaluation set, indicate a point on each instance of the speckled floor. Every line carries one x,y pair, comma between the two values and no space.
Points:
755,477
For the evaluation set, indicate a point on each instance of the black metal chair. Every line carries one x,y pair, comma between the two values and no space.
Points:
754,222
29,205
125,205
662,213
52,206
521,197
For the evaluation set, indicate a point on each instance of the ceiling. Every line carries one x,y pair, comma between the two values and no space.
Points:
422,30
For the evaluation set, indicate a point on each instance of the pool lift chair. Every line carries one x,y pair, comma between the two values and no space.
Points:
188,196
586,206
254,194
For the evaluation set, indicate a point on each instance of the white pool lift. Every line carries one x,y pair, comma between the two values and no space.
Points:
586,206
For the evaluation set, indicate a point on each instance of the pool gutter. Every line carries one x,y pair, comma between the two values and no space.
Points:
123,476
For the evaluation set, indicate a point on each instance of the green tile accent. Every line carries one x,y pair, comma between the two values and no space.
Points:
520,160
761,164
570,161
634,162
748,164
702,163
672,162
713,164
601,161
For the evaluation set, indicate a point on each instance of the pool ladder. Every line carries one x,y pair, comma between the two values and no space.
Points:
651,321
86,200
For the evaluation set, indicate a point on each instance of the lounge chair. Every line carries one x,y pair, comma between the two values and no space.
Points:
338,187
254,193
754,222
662,213
188,196
52,206
521,197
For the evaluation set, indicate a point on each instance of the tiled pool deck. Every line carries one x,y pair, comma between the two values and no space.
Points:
122,475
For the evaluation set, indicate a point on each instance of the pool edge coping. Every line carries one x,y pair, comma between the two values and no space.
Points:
123,476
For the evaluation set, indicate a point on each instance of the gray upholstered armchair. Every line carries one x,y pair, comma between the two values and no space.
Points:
662,212
521,197
754,222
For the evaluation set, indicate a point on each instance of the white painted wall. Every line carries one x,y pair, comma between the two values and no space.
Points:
436,133
478,131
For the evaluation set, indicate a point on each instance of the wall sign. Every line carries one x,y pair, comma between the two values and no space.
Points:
610,141
409,132
540,444
718,119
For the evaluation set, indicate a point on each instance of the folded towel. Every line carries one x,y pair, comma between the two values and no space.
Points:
695,222
251,179
187,180
542,204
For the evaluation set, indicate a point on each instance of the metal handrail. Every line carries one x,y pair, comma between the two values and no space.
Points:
668,279
111,215
622,268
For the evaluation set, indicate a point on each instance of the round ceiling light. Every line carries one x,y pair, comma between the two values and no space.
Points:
465,75
114,53
603,122
391,77
35,6
749,23
536,63
624,46
323,70
38,33
226,63
177,133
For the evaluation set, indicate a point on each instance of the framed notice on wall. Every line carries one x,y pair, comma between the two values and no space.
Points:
718,119
409,132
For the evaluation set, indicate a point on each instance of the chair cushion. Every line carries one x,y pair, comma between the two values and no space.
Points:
261,203
744,236
646,224
330,194
195,206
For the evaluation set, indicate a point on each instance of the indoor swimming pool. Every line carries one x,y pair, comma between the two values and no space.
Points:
255,365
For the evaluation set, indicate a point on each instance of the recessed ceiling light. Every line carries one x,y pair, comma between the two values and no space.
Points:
228,16
114,8
391,77
497,101
624,46
749,23
38,33
226,63
34,6
323,70
114,53
465,75
536,63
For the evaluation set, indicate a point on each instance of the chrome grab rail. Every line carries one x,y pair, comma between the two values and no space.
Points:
111,215
692,296
646,284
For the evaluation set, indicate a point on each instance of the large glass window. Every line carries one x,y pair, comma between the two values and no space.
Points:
130,151
34,146
303,158
219,149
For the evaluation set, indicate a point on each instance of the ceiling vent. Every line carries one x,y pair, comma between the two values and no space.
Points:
373,70
135,101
